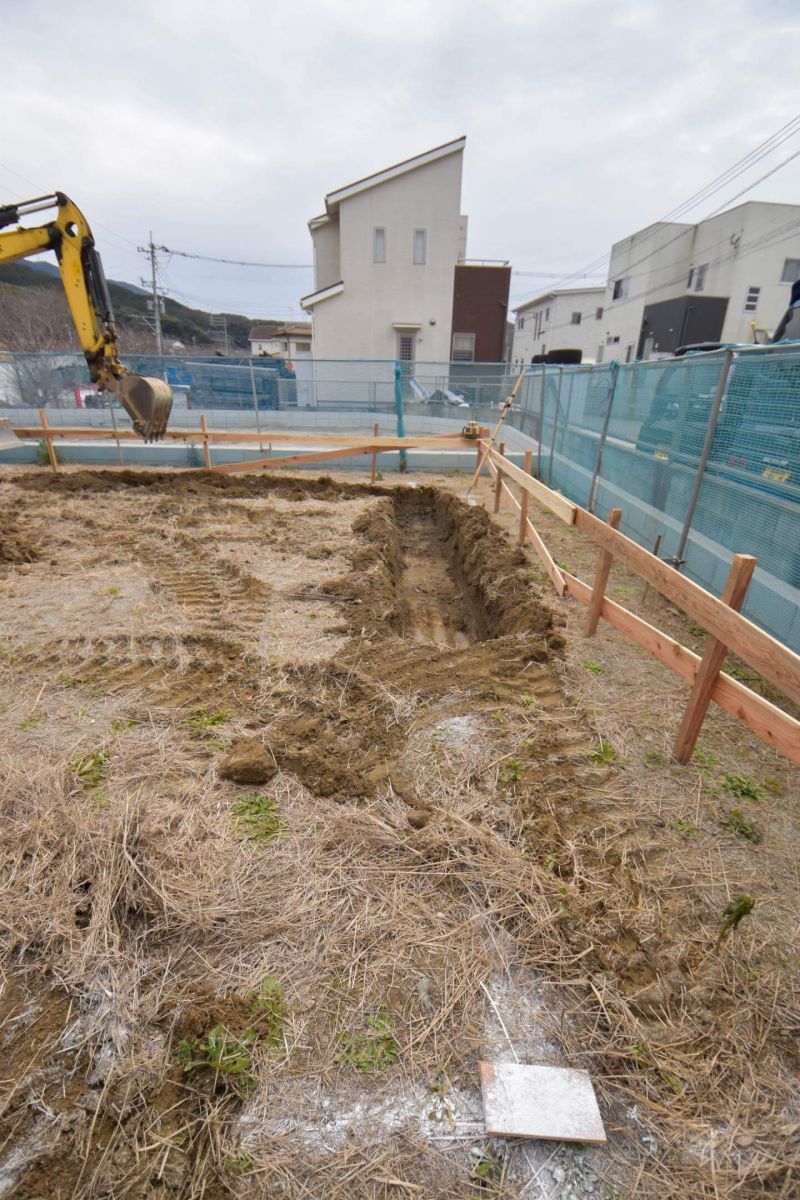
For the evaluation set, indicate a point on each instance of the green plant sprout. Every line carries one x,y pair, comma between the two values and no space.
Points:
90,769
736,822
604,754
256,818
743,786
740,907
374,1050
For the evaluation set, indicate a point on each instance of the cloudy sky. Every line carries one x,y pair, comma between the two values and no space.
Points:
220,124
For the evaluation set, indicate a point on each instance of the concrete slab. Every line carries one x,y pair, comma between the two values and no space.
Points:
538,1101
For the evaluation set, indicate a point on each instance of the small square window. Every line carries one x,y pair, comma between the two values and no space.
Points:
700,274
621,287
463,347
420,247
575,319
598,316
791,270
379,245
751,299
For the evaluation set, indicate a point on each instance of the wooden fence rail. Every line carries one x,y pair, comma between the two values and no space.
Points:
726,627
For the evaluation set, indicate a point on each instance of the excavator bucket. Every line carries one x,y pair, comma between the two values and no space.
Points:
148,403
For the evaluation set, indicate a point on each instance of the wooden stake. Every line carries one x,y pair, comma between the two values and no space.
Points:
601,579
736,586
504,411
656,548
374,468
48,440
206,451
498,482
523,501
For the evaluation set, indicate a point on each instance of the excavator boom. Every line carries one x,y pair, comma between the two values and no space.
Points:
148,402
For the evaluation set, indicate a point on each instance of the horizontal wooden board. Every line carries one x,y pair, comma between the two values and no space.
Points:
564,509
768,656
766,720
444,441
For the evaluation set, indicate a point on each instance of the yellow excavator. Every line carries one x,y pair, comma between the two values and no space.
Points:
148,402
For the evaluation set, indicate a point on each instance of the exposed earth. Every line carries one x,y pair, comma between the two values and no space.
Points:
312,797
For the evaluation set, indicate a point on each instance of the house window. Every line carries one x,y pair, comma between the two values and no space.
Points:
301,347
629,353
379,245
612,341
689,280
576,318
621,288
751,299
520,322
598,315
463,347
700,277
547,314
420,246
791,270
405,347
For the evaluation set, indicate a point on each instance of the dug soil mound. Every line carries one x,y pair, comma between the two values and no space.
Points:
195,483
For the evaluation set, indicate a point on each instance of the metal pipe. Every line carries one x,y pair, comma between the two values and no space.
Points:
677,559
603,434
555,423
398,405
255,405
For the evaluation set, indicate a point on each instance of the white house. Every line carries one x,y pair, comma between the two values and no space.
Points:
385,252
726,279
566,318
283,341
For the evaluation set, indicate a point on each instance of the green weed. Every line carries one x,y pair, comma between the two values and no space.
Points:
528,700
379,476
513,771
704,759
200,720
743,786
256,818
488,1170
122,724
654,758
90,769
269,1011
773,785
740,907
221,1052
685,828
594,667
30,723
42,457
736,822
374,1050
697,631
239,1164
111,591
604,753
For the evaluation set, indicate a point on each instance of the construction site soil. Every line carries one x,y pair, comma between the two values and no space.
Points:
302,817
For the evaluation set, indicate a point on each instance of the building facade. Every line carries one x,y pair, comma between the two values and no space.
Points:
281,341
564,319
726,279
391,281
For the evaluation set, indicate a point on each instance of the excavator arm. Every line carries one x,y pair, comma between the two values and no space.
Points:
148,402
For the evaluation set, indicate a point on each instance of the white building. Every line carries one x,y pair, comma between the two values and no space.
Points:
282,341
567,318
726,279
385,252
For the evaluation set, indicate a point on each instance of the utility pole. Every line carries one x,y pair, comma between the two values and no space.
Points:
150,251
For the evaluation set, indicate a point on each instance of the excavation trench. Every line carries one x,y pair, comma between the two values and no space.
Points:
431,599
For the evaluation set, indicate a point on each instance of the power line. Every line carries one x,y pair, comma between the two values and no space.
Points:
237,262
739,167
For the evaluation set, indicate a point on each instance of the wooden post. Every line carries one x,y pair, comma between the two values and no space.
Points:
601,579
48,440
206,451
656,548
374,467
736,586
523,501
478,460
498,483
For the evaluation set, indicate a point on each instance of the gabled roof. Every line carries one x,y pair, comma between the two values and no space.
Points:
333,199
264,333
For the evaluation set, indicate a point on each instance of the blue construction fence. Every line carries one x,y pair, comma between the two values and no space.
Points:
701,453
